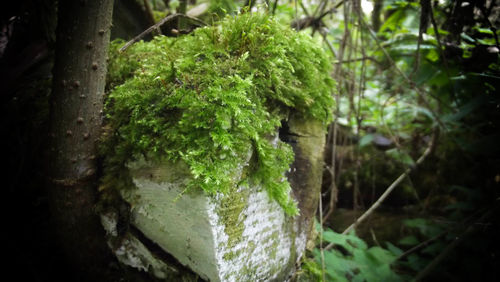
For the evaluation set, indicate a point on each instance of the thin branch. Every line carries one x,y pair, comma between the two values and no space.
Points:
424,19
426,243
157,25
357,60
334,127
333,184
421,245
321,236
374,238
324,33
441,54
316,22
320,9
438,39
396,182
420,92
345,36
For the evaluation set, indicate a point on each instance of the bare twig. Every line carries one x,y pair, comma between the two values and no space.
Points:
334,126
323,31
438,236
369,58
157,25
420,92
391,187
374,238
316,22
421,245
438,39
321,236
320,9
333,184
424,19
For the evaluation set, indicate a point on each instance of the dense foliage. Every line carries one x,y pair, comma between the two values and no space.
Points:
352,259
408,70
212,97
403,68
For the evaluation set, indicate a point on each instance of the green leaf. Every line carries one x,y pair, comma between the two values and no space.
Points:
434,249
400,156
409,241
467,108
416,262
467,37
425,226
483,30
432,55
394,20
381,255
366,140
393,249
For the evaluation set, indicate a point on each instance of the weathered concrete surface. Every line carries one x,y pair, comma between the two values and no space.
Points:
243,235
308,143
220,237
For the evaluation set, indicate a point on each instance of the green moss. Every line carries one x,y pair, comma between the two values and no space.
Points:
274,249
209,98
232,254
230,212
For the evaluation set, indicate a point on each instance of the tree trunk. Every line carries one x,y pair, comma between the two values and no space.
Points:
76,107
377,10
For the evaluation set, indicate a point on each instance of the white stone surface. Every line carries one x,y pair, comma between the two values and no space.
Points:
130,251
194,228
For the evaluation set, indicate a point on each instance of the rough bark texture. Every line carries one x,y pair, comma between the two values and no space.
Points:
76,106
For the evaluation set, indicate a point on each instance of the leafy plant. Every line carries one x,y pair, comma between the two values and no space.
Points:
352,260
211,98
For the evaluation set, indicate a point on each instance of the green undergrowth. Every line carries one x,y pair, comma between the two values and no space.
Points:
211,98
351,259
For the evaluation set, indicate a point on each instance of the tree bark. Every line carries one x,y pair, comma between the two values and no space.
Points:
75,119
377,10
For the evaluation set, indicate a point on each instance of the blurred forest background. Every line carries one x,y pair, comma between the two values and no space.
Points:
416,125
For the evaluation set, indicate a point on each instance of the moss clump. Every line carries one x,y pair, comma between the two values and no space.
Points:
211,97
